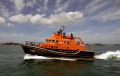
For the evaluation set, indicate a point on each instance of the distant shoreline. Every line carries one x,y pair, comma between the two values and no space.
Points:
96,44
9,43
102,44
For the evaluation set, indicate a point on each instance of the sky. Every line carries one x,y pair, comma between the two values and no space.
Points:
95,21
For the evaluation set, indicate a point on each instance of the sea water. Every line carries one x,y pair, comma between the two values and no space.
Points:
13,62
109,55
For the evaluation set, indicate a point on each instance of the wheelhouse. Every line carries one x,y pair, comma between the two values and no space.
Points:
61,41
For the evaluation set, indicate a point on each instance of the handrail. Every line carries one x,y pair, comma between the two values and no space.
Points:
89,48
29,43
59,52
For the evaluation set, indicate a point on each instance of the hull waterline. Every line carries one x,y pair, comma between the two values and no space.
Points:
56,53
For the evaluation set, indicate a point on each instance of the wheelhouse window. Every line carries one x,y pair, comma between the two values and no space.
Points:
68,42
50,40
64,42
57,41
53,40
46,40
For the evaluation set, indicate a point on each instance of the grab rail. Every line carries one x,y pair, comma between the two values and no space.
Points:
29,43
89,48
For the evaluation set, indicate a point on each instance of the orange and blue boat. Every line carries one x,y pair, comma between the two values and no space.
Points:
60,45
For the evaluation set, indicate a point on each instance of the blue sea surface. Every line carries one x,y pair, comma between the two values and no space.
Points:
13,63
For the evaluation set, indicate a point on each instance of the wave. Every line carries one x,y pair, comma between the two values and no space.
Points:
109,55
29,56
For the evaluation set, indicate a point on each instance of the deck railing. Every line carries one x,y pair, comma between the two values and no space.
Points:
29,43
89,48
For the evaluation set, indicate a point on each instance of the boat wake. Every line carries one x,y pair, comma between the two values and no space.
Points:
29,56
110,55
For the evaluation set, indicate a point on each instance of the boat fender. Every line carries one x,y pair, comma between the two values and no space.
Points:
45,49
41,48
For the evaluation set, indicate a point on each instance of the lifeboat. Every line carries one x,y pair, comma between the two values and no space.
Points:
60,45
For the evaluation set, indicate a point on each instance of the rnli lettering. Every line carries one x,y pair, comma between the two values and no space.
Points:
55,47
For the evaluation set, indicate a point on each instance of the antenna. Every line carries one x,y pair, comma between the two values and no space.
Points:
60,30
63,27
59,25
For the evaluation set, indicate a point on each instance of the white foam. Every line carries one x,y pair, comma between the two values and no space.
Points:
109,55
28,56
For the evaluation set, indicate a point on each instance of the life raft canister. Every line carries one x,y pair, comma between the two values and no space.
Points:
68,37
